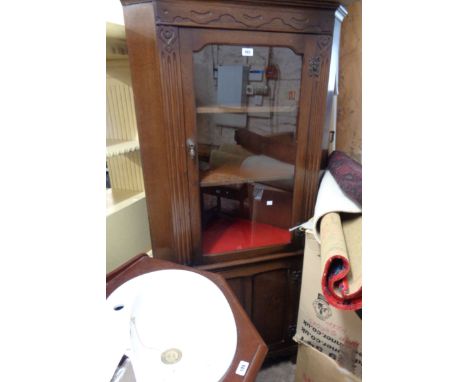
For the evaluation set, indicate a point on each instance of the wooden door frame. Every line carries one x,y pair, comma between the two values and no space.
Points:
312,106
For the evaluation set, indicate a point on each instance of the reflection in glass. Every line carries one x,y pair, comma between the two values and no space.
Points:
247,109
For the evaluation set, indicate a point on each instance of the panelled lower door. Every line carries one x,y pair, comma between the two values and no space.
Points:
269,294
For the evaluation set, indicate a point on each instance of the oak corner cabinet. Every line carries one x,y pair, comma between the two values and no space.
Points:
234,103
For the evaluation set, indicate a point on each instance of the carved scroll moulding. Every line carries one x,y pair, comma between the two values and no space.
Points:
233,16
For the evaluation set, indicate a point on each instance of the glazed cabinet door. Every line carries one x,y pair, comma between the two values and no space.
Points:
230,101
269,293
253,117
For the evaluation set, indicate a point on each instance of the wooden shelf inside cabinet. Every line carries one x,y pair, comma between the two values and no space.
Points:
118,147
245,109
232,174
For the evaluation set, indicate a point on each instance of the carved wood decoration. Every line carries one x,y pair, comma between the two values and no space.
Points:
175,139
233,16
325,4
314,66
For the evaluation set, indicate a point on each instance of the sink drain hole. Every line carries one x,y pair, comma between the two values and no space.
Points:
171,356
118,307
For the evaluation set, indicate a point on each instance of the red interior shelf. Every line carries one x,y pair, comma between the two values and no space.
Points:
225,235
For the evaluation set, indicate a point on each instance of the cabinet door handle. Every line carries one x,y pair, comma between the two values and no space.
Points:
192,148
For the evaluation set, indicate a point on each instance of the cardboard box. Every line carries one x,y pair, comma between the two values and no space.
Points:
335,333
314,366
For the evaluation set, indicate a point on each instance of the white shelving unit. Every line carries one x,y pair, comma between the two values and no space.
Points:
116,147
127,218
122,145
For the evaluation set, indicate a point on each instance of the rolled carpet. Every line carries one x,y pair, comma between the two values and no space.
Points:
341,260
337,227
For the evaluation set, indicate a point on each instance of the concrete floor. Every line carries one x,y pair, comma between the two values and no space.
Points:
280,372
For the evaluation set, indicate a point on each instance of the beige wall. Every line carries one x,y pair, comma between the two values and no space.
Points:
127,234
349,118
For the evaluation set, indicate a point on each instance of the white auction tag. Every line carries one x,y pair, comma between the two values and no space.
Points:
242,368
247,52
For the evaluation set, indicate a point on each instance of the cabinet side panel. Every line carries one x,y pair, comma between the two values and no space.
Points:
145,72
175,138
318,69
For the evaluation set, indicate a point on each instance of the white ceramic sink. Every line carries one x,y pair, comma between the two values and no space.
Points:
175,325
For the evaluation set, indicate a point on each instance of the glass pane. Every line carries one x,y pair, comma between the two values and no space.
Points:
247,109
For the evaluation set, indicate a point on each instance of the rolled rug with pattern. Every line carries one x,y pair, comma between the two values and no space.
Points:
337,227
341,261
